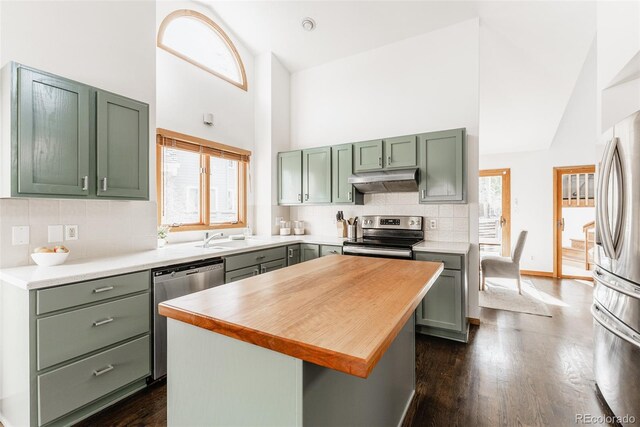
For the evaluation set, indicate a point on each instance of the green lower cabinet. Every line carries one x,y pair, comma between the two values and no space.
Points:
341,170
330,250
293,254
367,156
316,175
122,150
401,152
241,273
442,167
309,251
443,311
273,266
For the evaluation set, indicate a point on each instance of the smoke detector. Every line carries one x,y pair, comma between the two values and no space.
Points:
308,24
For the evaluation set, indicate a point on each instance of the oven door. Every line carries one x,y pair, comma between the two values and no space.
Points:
379,252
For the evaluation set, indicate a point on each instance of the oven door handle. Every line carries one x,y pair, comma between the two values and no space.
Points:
404,253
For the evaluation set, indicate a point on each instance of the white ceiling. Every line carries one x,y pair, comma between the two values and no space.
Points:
531,52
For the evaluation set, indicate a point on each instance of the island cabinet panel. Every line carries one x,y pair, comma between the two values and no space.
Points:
52,135
309,251
330,250
341,170
368,156
122,147
316,175
442,166
401,152
443,311
293,254
73,386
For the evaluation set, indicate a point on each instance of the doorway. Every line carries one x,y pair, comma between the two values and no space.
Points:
495,212
574,221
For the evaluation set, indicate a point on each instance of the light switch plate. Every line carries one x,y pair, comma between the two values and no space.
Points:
70,232
55,234
20,235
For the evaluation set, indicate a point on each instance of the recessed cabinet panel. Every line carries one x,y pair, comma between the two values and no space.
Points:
442,306
341,169
368,156
316,175
400,152
52,135
122,147
290,178
442,166
309,251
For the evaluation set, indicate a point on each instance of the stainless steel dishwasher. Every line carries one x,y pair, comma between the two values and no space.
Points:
173,282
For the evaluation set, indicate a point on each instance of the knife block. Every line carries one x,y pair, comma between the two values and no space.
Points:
341,228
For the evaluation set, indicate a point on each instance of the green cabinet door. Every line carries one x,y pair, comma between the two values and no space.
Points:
309,251
293,254
341,169
400,152
316,175
290,178
52,136
367,156
122,149
273,265
442,306
330,250
442,166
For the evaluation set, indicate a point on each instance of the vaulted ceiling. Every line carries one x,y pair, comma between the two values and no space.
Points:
531,52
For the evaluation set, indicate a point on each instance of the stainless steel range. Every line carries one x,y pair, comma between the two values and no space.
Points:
384,236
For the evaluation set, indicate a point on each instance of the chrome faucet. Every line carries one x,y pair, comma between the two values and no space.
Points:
207,238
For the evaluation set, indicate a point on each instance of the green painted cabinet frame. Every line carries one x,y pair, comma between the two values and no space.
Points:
442,167
341,169
122,147
309,251
51,135
401,152
316,175
293,254
368,156
290,178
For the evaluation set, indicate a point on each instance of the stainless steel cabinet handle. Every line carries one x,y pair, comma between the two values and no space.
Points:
85,182
349,196
102,289
256,272
99,372
263,269
103,321
424,194
306,197
261,257
290,253
104,184
299,197
388,160
379,161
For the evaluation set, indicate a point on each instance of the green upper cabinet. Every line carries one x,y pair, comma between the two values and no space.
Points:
51,136
290,178
367,156
122,147
442,166
341,169
400,152
316,175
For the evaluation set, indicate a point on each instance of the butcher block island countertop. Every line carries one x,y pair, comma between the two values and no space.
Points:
340,312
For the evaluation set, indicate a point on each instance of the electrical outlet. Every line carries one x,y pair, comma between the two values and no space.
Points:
55,234
433,224
20,235
70,232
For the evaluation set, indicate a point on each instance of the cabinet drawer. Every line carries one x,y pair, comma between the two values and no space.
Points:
64,336
451,262
70,387
273,265
241,273
48,300
330,250
252,258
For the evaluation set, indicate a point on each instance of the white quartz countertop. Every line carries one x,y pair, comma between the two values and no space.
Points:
37,277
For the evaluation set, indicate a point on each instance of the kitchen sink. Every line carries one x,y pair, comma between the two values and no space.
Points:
227,244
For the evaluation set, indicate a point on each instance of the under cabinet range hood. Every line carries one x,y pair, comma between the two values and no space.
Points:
402,180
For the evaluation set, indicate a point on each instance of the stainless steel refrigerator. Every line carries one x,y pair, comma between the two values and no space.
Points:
616,303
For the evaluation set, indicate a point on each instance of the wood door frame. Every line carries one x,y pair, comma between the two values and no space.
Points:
558,171
505,173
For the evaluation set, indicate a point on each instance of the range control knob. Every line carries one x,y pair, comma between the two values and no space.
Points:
412,222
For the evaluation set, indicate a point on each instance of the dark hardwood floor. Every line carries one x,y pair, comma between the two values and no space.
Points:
517,370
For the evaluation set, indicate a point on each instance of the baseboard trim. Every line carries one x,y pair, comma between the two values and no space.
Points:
577,277
536,273
474,321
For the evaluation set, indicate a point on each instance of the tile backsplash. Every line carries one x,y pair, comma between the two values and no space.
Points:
452,220
104,227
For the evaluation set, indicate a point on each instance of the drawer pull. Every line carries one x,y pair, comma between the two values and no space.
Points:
103,321
263,269
103,289
99,372
290,253
256,272
261,257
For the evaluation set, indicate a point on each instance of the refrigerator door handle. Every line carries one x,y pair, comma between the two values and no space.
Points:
602,211
617,284
614,326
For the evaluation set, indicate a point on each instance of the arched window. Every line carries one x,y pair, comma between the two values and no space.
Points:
195,38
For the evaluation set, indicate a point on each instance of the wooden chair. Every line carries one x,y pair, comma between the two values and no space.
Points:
506,267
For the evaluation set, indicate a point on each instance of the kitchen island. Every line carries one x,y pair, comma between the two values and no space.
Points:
327,342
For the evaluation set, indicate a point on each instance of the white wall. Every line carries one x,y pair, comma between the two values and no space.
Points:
105,44
532,172
421,84
186,92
